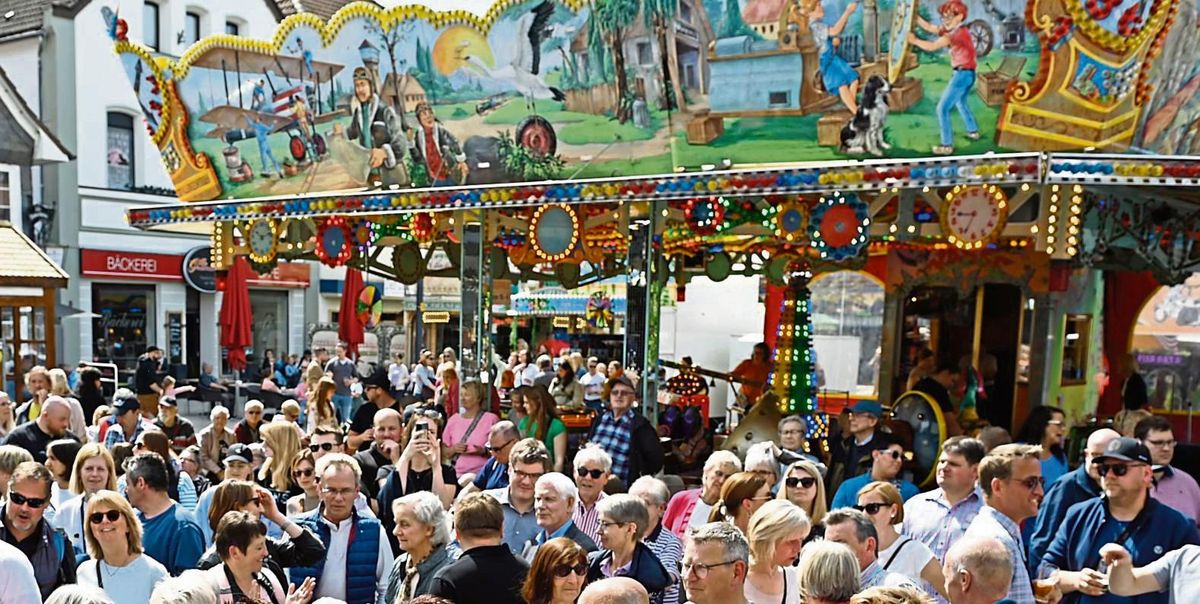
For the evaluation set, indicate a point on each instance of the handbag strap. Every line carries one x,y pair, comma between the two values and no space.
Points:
896,553
471,428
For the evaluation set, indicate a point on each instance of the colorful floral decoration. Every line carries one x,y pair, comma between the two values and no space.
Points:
334,241
791,221
370,306
840,226
423,228
364,234
599,310
794,377
705,214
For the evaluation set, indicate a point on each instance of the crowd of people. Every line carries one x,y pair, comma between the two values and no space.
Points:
411,485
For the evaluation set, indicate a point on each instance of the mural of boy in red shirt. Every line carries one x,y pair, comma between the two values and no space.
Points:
952,34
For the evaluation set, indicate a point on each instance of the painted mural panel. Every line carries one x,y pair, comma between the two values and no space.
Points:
549,89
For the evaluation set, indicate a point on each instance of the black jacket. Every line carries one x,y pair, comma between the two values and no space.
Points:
645,568
645,450
49,551
573,533
305,550
29,436
489,573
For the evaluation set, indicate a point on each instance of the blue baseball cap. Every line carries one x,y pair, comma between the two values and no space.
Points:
871,407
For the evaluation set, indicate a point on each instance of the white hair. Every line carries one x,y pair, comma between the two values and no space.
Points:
78,594
761,456
561,483
653,487
594,453
253,404
428,509
191,587
722,458
218,410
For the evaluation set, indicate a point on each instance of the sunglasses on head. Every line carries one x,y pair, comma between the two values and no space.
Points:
33,502
98,517
321,447
871,508
1117,469
563,570
584,472
806,482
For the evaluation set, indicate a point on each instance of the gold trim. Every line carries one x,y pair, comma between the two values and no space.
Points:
1067,140
157,68
1070,119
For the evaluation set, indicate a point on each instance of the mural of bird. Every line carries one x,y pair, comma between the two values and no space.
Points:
522,71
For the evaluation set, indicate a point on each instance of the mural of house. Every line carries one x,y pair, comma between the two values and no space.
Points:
755,76
763,16
408,87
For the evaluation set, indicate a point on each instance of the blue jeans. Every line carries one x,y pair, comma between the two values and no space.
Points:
344,403
955,96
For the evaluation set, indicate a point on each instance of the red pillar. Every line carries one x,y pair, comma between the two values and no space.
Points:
774,308
1124,295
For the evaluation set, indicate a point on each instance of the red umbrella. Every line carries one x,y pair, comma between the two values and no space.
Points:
235,314
350,329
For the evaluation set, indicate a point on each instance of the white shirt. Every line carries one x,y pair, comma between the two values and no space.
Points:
69,518
593,384
129,584
398,376
910,560
17,583
529,374
333,579
700,513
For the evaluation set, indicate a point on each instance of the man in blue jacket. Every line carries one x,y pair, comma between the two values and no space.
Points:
1126,516
1080,485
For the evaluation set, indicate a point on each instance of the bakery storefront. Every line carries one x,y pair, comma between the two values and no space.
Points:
130,294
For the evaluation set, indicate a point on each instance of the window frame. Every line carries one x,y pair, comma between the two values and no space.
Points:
109,125
147,5
193,36
235,26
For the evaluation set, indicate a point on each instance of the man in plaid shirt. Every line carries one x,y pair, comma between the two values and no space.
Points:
627,436
126,420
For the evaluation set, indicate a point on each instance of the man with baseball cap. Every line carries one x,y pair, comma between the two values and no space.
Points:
377,389
239,465
626,435
851,456
1127,516
126,419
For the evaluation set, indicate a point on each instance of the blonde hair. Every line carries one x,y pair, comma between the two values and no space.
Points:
116,501
90,451
998,464
773,522
285,444
891,595
890,495
58,382
819,508
828,571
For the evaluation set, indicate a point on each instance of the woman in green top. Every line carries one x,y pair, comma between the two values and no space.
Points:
543,424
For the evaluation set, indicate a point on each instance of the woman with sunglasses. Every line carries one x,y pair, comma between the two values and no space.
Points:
304,470
1045,426
741,496
297,547
881,502
422,532
114,540
802,485
777,532
557,573
543,424
93,471
623,521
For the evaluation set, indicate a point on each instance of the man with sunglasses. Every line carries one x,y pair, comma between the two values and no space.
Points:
851,455
716,558
1011,479
1080,484
1128,516
48,549
941,516
377,389
592,470
494,474
528,461
1172,487
324,441
852,528
885,467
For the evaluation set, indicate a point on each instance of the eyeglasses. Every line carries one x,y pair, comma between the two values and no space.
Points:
562,571
1162,444
527,475
490,449
303,473
98,517
894,453
582,472
604,524
1032,482
33,502
1117,469
796,481
871,508
701,570
321,447
339,492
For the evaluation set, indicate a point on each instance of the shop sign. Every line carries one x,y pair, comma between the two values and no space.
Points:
131,265
197,271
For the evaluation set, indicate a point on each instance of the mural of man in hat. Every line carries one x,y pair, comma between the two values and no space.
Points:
435,147
374,125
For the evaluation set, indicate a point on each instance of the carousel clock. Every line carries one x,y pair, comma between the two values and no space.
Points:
974,216
262,238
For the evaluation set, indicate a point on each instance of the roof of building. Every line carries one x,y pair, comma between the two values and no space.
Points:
763,11
40,146
21,16
26,263
321,8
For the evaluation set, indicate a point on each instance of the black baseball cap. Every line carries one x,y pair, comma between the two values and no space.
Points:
1125,449
239,452
378,378
124,402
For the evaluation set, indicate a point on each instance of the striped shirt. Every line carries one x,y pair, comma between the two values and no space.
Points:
587,520
991,523
930,519
669,550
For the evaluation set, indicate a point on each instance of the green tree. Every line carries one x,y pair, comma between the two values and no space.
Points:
659,16
733,25
612,17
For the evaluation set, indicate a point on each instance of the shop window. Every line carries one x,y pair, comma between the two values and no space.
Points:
150,24
233,28
270,312
125,324
120,151
191,28
847,311
1076,335
23,334
1166,346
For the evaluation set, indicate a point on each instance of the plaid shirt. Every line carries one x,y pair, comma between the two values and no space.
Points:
615,436
669,550
587,520
930,519
991,523
116,435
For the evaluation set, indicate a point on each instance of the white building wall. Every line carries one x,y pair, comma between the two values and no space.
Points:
19,58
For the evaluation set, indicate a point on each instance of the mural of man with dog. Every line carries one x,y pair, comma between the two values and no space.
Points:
952,34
